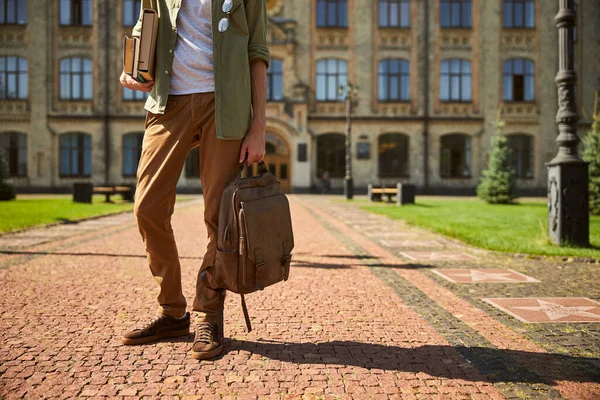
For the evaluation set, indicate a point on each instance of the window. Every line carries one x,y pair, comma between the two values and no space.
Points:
302,152
519,14
13,146
132,150
13,78
76,12
521,154
131,12
76,78
455,13
331,154
275,81
394,80
13,12
332,13
331,73
455,160
394,13
134,95
455,80
75,155
519,80
393,155
192,163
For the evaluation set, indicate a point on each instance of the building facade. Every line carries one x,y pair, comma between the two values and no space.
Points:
433,78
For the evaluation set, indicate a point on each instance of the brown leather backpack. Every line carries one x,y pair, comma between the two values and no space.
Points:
255,237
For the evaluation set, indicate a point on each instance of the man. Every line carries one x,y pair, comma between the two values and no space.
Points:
209,91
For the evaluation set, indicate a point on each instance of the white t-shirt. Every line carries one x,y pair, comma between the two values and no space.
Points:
193,59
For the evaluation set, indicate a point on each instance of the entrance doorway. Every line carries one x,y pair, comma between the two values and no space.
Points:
277,159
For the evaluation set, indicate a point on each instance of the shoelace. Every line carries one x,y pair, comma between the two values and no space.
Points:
204,332
149,324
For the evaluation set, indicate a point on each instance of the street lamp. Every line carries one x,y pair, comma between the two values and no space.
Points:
568,202
351,101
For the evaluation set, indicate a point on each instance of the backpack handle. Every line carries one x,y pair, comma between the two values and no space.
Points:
262,168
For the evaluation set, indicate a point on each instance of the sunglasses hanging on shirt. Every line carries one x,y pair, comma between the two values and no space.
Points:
224,22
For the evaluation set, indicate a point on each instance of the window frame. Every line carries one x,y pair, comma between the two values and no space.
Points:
329,148
76,12
466,156
460,75
338,76
135,149
387,79
16,147
511,75
339,22
512,25
132,5
81,72
135,94
16,13
17,73
272,75
520,154
403,23
462,6
192,163
82,149
403,141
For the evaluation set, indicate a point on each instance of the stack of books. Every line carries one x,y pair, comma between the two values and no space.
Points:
139,53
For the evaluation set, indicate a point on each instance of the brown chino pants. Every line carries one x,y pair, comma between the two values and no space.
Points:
188,121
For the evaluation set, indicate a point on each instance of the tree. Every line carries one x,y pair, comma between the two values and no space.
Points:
498,183
591,154
7,191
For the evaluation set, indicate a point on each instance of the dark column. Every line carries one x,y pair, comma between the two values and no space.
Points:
568,215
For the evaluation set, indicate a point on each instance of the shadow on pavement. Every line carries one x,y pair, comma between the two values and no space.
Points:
308,264
52,253
496,365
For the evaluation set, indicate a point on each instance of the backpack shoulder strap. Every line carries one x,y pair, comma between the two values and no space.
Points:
246,316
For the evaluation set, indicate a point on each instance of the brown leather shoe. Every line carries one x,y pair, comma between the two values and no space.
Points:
208,342
160,327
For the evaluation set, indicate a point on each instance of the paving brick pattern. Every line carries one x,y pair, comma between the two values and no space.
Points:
356,320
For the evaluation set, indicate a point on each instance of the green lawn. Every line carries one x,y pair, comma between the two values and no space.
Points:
26,212
519,228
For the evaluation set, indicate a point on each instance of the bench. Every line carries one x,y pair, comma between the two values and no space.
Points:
83,191
405,193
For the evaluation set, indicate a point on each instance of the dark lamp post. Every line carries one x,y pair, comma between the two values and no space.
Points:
351,101
568,203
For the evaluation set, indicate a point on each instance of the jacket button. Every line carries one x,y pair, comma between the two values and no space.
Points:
170,50
166,72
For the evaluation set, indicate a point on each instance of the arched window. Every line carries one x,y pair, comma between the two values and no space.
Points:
192,163
75,155
76,78
519,14
331,73
132,150
518,80
275,80
13,77
131,12
455,13
455,157
521,154
393,155
13,146
394,13
332,13
455,80
394,80
76,12
331,153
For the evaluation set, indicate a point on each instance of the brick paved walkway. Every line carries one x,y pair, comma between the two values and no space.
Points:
364,315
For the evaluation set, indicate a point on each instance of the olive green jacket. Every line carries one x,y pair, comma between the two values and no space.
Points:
244,40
